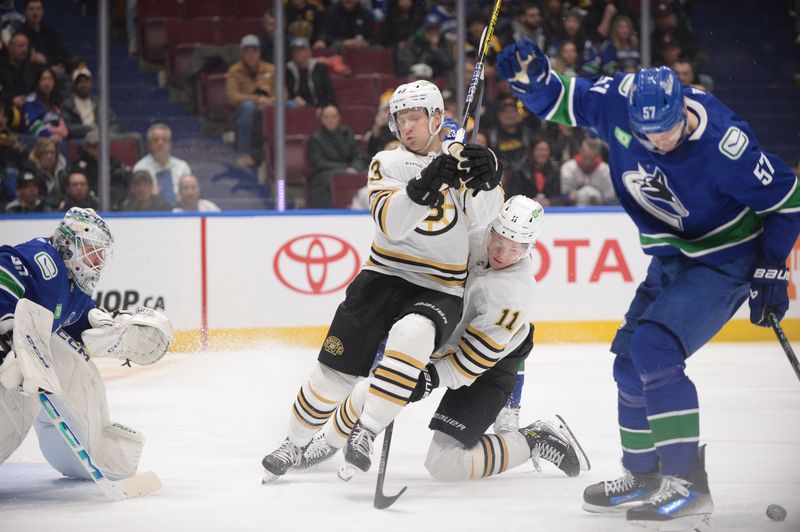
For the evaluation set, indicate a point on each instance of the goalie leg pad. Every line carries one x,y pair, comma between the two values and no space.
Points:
316,402
30,365
114,448
17,413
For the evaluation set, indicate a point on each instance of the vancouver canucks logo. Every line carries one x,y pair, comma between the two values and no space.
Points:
652,193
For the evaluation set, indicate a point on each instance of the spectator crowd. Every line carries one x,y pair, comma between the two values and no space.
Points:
48,101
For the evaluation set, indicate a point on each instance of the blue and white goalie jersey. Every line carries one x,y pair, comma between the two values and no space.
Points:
715,197
34,270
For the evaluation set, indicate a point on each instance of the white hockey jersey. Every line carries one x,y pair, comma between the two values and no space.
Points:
427,247
494,322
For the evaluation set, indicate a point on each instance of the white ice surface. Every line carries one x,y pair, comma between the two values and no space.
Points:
209,419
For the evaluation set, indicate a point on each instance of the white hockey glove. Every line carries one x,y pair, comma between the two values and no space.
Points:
28,367
142,337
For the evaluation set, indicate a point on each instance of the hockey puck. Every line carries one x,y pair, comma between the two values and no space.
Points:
776,512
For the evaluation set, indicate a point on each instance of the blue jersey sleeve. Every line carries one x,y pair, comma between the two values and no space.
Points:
768,186
13,277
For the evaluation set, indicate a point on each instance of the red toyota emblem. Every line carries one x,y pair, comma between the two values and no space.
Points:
316,264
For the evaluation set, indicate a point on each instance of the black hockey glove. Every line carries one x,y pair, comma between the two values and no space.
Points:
484,171
769,292
427,382
424,189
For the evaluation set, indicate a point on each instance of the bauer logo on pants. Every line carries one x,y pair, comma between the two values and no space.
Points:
316,264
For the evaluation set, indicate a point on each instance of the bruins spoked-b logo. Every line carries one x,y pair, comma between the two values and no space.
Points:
440,219
333,346
653,193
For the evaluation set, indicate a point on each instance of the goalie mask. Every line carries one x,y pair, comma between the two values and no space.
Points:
519,222
416,95
84,241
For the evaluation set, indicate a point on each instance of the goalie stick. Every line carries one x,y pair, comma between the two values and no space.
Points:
383,501
135,486
787,348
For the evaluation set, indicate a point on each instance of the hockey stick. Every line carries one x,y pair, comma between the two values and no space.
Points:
136,486
477,81
787,348
383,501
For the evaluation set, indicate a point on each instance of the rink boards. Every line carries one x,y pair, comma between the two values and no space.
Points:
248,276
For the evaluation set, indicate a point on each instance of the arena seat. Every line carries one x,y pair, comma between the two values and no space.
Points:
369,60
344,186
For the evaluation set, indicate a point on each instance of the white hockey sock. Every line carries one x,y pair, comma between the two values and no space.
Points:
316,401
347,414
408,348
447,458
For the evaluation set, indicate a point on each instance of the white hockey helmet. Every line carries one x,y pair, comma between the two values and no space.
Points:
420,94
519,220
84,241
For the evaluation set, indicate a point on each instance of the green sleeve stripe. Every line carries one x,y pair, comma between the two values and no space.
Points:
562,113
634,441
10,283
789,203
675,426
744,227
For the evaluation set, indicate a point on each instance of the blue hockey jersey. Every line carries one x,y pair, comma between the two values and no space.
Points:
715,197
35,270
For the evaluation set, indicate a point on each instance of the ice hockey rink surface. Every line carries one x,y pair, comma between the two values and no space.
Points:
210,417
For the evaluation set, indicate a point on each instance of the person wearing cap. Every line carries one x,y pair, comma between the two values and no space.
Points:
308,82
425,46
250,88
80,107
142,195
28,200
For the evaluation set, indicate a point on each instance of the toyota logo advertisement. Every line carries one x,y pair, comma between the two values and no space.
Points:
316,264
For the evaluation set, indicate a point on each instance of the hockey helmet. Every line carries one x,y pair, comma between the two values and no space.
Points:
655,103
420,94
520,220
84,241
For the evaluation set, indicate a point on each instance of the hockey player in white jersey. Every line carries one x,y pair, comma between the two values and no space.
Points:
412,284
478,365
49,326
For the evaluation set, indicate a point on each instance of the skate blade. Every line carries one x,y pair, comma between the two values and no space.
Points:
346,472
269,478
583,458
618,509
690,523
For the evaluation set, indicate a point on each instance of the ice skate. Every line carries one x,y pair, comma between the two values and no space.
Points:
279,461
358,450
683,502
317,452
629,490
554,442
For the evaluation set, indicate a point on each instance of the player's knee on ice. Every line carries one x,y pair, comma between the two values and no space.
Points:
447,458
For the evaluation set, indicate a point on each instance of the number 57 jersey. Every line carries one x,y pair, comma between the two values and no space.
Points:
714,197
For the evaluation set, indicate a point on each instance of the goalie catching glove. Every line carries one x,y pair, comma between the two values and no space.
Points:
425,189
142,337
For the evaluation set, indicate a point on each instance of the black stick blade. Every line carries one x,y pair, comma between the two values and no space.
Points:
383,501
